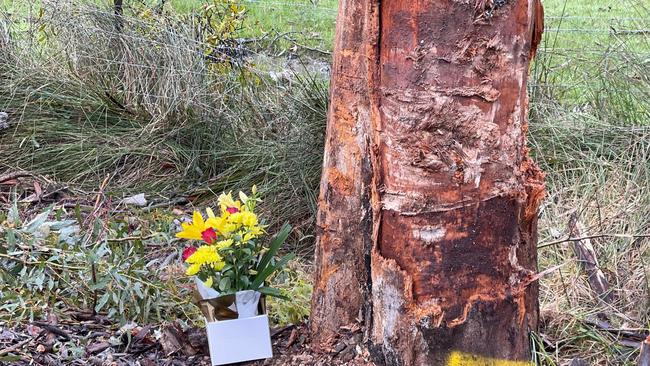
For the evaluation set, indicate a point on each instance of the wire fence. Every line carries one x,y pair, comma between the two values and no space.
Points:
571,41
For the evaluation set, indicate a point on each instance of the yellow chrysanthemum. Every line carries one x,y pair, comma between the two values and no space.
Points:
193,269
222,225
224,244
205,254
209,282
257,230
218,266
244,218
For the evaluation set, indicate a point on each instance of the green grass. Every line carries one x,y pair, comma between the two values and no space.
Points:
307,23
587,45
572,25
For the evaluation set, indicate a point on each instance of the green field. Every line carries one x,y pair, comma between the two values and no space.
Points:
572,25
583,26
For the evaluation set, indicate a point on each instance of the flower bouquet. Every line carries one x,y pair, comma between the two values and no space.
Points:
230,268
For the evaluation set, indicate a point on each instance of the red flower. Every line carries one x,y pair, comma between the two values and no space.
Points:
187,252
232,210
209,235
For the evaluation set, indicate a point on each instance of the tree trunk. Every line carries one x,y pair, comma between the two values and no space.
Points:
428,207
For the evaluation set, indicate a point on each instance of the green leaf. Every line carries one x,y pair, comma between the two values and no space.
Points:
224,284
262,276
13,216
11,241
10,358
269,291
245,281
226,268
77,214
38,221
276,243
138,290
102,301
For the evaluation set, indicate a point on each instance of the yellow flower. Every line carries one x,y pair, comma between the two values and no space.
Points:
210,214
193,269
257,230
194,229
252,233
209,282
205,254
222,225
218,266
224,244
228,205
243,197
244,218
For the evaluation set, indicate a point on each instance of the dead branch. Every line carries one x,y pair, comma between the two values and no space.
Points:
15,175
586,255
644,357
16,346
596,236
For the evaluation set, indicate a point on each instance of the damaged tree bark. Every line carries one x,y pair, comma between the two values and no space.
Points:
428,206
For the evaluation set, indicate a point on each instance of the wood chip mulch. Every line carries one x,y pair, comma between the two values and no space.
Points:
84,339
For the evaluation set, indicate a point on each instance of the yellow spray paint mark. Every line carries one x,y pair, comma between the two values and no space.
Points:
464,359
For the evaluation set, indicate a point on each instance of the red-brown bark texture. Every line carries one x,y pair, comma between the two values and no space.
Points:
428,207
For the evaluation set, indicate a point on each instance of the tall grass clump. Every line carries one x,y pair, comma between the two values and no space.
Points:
590,133
86,101
139,99
600,173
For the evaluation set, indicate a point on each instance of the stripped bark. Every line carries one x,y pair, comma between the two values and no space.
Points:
587,258
428,206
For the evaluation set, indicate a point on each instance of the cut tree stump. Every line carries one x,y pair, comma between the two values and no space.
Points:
428,203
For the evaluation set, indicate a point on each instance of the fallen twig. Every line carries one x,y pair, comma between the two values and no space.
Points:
15,175
627,236
328,53
16,346
586,254
52,329
131,238
174,202
277,331
644,356
618,332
